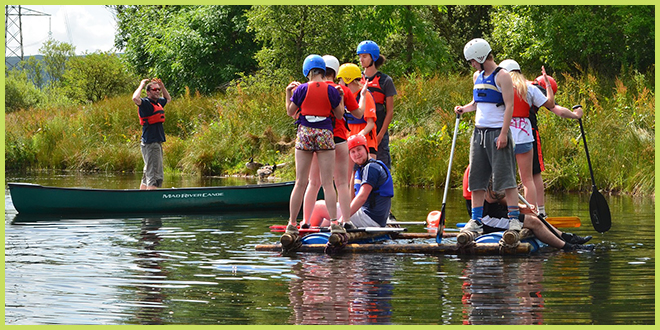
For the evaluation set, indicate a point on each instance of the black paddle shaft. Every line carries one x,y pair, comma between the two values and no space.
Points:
599,211
584,138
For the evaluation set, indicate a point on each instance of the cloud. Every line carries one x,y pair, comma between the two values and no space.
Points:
88,28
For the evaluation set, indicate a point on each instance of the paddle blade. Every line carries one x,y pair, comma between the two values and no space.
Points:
441,226
599,212
564,222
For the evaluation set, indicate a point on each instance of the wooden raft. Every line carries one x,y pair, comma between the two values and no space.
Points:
452,249
358,236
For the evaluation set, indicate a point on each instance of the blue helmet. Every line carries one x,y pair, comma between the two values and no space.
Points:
313,62
369,47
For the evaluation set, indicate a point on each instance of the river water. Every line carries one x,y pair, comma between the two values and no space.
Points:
203,269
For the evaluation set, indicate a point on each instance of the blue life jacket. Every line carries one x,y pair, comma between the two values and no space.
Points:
385,190
485,90
350,119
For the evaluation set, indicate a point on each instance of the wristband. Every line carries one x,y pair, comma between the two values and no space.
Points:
576,106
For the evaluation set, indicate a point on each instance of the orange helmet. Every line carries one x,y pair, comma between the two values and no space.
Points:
541,82
357,140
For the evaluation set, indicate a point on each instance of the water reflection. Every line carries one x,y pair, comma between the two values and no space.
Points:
503,291
203,269
148,294
346,290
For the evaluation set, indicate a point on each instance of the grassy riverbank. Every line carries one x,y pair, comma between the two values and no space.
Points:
215,135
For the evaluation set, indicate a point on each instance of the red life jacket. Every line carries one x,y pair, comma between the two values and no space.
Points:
317,101
520,106
374,87
157,117
341,127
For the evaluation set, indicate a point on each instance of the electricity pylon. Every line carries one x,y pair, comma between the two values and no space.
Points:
14,30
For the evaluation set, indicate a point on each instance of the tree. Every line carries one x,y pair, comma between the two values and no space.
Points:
459,24
34,69
56,54
406,35
94,76
201,47
568,38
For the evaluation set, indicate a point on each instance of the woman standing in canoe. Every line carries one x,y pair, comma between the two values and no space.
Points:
313,104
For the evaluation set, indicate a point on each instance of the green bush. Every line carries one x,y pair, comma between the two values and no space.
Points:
20,93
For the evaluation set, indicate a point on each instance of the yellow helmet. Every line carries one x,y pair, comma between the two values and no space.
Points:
349,72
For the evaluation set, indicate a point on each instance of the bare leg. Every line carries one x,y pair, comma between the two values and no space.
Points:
511,195
341,180
525,169
303,162
542,233
326,165
312,190
540,189
478,198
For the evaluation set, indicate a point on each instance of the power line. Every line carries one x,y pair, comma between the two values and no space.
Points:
14,30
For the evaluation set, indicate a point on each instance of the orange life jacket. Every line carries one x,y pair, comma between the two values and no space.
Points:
317,101
157,117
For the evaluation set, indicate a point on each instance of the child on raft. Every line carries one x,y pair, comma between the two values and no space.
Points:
382,88
350,76
343,166
495,219
548,86
491,149
313,104
374,190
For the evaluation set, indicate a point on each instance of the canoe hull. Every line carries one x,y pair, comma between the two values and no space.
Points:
37,199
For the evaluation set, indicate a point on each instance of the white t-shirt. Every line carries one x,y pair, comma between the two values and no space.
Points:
489,115
521,128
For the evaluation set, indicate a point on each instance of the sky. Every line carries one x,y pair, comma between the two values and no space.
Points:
88,28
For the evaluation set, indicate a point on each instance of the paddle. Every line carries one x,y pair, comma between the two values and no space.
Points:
598,208
542,218
557,222
441,223
354,230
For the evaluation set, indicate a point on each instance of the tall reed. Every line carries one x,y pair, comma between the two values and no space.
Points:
218,134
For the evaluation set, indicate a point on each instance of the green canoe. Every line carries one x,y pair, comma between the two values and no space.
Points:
36,199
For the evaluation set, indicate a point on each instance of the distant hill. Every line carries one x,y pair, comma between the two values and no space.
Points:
13,60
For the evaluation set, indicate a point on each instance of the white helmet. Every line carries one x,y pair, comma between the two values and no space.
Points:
331,62
477,49
510,65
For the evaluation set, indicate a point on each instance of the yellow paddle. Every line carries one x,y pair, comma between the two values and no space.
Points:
564,222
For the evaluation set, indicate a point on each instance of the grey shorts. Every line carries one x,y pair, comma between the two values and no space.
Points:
152,154
486,161
362,220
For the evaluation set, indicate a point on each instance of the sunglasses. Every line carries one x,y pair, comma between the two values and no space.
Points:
156,89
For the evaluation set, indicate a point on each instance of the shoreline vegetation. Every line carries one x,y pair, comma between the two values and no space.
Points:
212,135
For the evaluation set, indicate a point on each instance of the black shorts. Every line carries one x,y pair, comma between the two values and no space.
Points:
537,166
